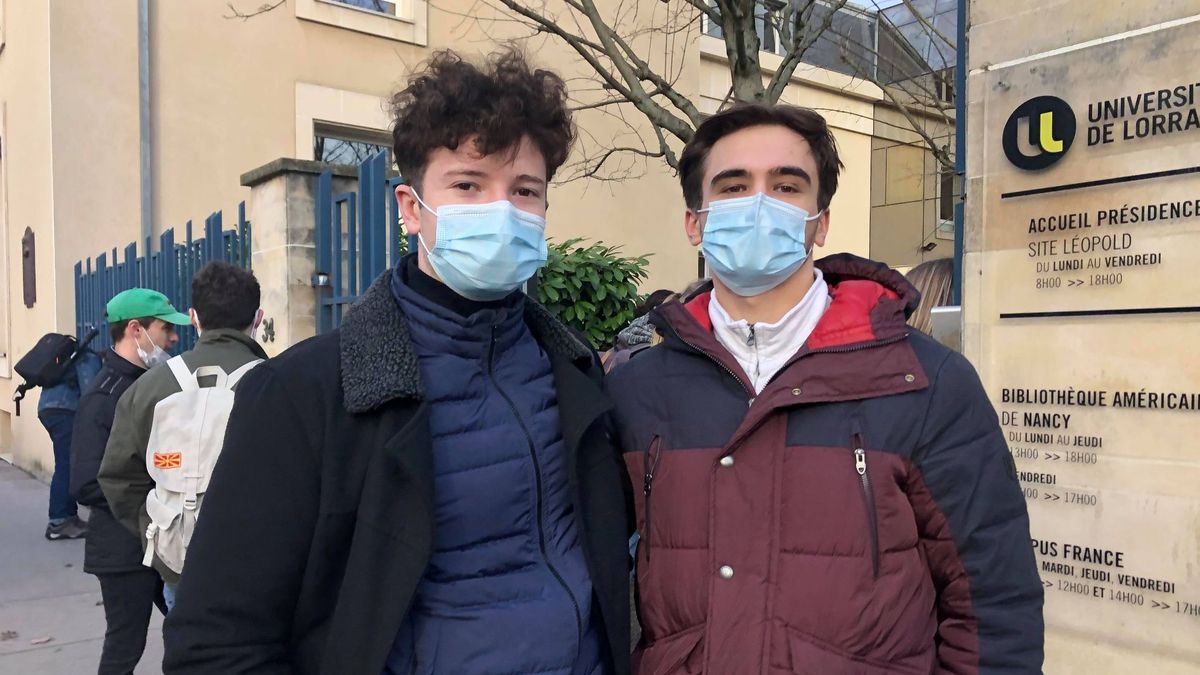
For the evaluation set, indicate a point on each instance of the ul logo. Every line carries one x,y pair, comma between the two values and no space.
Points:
1039,132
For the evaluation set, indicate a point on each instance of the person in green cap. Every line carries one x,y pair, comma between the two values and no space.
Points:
142,325
156,317
169,426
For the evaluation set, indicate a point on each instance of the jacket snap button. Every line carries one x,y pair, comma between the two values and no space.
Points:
797,391
727,461
910,378
726,572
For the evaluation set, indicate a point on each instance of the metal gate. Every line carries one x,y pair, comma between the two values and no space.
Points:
359,235
168,270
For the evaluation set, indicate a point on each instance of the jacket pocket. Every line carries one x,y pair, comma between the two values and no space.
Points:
671,655
868,496
811,655
169,530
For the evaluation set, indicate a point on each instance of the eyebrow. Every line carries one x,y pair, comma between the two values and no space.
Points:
527,178
476,173
471,173
727,174
792,171
777,171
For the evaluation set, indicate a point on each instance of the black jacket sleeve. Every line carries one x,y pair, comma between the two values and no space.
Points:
93,422
247,558
975,530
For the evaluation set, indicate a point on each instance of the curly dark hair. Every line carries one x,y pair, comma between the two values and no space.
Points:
449,100
225,296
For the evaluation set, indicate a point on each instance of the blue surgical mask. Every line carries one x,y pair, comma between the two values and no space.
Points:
755,243
484,252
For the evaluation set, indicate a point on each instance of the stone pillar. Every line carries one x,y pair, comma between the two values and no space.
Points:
283,254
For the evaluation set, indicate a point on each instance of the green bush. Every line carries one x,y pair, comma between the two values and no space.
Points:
593,289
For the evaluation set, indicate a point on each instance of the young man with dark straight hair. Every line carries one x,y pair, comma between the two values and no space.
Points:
432,487
821,489
225,312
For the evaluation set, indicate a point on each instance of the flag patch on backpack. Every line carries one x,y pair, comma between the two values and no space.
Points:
168,460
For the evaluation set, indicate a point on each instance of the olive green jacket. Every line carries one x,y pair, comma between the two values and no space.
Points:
123,474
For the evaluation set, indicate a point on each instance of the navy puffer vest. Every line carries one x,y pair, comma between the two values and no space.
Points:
507,588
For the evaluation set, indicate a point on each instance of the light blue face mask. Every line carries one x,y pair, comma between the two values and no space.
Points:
755,243
484,252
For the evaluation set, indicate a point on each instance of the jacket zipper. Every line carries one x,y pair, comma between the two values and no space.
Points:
860,466
650,463
827,350
537,473
714,359
752,341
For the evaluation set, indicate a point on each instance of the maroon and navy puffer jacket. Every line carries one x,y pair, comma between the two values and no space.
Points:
861,515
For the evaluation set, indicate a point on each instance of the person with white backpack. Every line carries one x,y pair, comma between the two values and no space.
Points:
170,425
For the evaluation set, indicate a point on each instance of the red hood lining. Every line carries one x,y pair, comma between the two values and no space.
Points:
847,321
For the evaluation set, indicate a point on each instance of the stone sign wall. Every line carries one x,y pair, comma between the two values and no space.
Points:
1082,313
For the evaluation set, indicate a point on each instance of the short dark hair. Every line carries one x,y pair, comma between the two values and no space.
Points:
450,100
116,331
803,121
225,296
653,300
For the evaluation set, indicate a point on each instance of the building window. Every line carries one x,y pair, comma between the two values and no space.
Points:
400,20
946,195
912,203
342,145
847,47
876,38
381,6
926,44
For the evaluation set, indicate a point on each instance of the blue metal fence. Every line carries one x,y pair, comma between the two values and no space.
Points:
359,234
169,270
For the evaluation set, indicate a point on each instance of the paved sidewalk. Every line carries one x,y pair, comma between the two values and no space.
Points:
44,592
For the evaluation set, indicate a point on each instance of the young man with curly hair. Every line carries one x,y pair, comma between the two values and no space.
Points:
431,488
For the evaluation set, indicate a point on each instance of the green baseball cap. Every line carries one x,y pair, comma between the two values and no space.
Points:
137,303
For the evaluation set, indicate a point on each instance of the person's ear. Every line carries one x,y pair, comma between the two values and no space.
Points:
135,325
693,227
258,318
822,229
195,319
410,209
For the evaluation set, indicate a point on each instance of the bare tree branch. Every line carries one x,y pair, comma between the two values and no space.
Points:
262,9
629,84
930,103
595,168
940,153
795,53
635,67
706,9
668,153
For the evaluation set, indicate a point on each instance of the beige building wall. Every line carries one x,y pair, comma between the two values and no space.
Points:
94,138
230,95
25,94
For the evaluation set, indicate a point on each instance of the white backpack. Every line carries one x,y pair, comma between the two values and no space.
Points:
185,441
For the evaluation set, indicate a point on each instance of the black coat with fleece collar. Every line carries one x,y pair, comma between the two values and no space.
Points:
318,523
